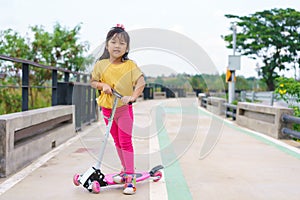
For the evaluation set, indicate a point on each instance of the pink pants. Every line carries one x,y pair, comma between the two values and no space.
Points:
121,132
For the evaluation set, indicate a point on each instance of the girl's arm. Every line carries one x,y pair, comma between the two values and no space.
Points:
95,84
139,88
101,86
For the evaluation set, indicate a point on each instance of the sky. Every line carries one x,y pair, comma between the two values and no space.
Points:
203,22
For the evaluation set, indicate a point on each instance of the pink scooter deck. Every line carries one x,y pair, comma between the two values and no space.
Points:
140,176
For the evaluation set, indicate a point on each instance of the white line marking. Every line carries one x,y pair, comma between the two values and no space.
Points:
269,138
19,176
158,190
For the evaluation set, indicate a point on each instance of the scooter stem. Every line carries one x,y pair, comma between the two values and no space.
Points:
108,127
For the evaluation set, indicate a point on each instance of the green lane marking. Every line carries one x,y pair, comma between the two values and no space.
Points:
258,137
176,184
265,140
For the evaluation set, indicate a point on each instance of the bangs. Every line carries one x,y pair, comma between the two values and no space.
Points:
123,36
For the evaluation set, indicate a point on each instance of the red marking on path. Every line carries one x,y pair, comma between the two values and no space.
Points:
82,150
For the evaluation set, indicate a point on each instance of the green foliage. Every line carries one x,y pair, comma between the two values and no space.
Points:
10,100
213,82
271,36
296,114
235,102
288,89
42,98
13,44
159,81
198,82
204,82
59,48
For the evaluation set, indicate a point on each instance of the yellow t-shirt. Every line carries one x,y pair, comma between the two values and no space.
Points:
121,77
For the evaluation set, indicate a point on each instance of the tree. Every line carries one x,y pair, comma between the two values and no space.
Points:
159,80
13,44
197,82
271,36
60,48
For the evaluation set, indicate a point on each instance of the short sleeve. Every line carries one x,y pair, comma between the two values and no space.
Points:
136,72
96,75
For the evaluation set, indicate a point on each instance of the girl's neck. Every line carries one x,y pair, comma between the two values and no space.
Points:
115,61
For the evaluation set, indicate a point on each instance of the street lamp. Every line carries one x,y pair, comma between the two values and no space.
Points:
233,64
233,26
257,69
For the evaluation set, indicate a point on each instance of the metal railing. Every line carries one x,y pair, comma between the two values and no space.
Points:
230,110
204,102
290,119
77,93
258,96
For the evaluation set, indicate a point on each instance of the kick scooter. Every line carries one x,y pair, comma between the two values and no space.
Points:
93,179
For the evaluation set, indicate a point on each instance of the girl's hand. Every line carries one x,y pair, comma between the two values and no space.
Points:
127,99
106,89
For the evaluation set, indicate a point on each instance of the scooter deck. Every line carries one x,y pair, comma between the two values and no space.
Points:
140,176
93,179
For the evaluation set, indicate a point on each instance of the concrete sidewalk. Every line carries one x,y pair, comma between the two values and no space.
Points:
205,157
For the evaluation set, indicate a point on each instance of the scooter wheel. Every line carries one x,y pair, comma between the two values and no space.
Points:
158,176
75,179
96,187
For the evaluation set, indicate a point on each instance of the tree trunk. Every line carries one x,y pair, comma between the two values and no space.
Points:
271,84
268,76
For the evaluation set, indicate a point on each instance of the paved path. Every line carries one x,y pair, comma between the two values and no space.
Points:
205,157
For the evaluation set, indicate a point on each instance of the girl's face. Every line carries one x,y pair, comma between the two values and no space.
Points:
116,47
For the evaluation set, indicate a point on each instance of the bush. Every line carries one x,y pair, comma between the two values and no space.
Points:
288,90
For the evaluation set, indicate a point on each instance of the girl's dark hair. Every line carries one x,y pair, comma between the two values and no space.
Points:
120,33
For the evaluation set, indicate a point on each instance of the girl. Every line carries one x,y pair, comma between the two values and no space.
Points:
114,70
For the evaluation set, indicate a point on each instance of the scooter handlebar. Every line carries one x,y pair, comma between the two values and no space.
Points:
118,95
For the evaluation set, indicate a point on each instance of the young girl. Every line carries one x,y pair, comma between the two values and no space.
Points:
114,70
